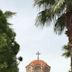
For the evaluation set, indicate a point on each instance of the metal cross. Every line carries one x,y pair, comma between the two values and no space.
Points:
38,55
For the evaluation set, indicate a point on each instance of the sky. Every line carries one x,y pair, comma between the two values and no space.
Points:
32,39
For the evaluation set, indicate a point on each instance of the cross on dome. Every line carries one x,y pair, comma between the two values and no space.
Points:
38,53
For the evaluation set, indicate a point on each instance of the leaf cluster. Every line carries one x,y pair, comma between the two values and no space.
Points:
66,51
53,10
8,46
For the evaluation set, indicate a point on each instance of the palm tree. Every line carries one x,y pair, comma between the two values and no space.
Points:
59,11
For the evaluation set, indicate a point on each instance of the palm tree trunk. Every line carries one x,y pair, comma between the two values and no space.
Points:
68,22
71,59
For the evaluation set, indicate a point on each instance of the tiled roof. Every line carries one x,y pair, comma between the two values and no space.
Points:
38,62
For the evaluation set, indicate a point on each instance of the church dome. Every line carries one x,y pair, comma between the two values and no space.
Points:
37,65
38,62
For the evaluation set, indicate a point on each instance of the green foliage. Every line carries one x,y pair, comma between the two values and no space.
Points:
66,51
59,25
43,2
52,10
8,46
9,14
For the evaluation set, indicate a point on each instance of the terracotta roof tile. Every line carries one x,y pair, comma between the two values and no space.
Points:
38,62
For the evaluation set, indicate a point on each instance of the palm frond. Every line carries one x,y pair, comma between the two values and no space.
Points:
66,54
48,14
43,17
9,14
66,51
65,47
59,25
44,3
58,7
